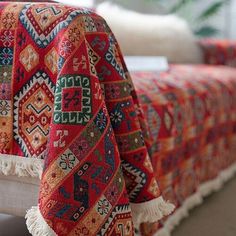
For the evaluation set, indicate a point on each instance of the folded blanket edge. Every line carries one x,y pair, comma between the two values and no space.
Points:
20,166
151,211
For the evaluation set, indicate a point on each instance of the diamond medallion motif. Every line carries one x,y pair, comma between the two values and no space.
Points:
29,58
32,121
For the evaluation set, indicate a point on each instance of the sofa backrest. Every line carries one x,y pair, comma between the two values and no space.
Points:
152,35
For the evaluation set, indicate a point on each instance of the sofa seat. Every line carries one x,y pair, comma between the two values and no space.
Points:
18,194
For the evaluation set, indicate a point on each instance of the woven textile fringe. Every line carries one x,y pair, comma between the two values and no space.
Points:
196,199
150,211
36,224
20,166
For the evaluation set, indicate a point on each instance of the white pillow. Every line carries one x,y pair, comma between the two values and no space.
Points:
79,3
154,35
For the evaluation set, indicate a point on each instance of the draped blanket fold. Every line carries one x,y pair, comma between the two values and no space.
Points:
67,98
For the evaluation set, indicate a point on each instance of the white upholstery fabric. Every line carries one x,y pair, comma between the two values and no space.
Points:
18,194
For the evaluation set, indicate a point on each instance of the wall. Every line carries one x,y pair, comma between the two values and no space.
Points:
233,20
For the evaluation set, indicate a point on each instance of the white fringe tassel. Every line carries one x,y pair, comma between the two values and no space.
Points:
196,199
20,166
150,211
36,224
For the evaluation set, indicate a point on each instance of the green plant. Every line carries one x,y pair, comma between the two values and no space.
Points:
200,24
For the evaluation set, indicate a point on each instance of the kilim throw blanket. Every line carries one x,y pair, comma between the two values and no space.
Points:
66,97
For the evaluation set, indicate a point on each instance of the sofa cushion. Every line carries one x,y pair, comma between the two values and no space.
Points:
140,34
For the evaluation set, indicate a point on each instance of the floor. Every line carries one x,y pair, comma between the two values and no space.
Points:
216,217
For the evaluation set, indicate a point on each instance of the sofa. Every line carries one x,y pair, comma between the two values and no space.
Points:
187,120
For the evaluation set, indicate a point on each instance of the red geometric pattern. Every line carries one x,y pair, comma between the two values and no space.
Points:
33,117
193,112
219,52
57,102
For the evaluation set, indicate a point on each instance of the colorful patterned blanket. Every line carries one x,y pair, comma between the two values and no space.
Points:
66,97
219,52
191,133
